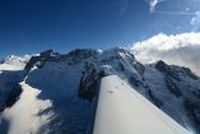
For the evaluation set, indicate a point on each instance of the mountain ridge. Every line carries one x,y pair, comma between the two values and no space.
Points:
71,83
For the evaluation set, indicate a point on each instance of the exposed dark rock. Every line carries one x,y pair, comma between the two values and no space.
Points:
197,93
90,82
4,126
121,66
31,62
139,67
46,53
162,66
40,60
190,74
177,82
80,54
193,112
173,88
12,97
136,82
10,88
154,99
174,71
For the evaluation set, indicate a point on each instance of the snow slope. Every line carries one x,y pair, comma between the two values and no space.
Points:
122,110
28,120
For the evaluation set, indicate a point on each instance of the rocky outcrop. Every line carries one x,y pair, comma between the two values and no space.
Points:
12,97
183,84
40,60
90,82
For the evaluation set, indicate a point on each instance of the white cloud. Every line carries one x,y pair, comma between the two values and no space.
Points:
181,49
153,4
195,21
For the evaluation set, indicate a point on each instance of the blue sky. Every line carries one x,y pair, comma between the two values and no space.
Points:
29,26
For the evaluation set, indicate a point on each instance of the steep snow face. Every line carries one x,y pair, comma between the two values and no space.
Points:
28,114
121,110
65,88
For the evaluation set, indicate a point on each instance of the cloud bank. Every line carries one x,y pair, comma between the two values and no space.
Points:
181,49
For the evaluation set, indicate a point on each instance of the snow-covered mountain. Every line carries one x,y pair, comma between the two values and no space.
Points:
57,93
13,62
